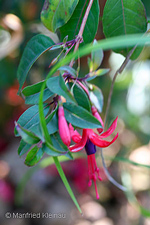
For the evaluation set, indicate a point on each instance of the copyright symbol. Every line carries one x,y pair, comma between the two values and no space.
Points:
8,215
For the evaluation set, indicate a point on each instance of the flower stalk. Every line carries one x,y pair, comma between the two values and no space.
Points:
82,28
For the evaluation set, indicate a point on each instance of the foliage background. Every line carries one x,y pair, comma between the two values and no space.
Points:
44,192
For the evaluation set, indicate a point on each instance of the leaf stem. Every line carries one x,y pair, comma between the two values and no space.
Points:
82,29
110,178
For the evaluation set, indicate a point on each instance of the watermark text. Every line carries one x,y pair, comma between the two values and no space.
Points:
31,215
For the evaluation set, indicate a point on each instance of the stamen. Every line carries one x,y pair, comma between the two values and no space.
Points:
96,168
97,195
89,172
93,172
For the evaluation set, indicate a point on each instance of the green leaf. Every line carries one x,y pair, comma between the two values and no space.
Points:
32,89
36,129
47,149
96,58
79,117
52,125
65,39
72,27
56,13
31,116
34,99
32,93
26,135
123,17
81,97
23,148
97,73
38,45
59,145
57,85
51,150
34,156
96,97
64,179
51,115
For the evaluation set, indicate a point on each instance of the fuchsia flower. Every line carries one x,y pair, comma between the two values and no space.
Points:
89,140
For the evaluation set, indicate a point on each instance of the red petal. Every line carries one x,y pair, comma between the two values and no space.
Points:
110,129
79,146
75,136
96,140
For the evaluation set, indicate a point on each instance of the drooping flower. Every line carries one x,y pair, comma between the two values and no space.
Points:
90,140
63,127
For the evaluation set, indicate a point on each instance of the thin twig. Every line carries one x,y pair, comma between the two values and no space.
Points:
121,68
110,178
82,28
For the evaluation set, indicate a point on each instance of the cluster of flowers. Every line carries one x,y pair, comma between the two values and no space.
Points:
89,140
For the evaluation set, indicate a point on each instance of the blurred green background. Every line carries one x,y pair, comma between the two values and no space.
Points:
44,191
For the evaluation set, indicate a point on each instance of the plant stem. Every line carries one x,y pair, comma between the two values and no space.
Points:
121,68
82,29
110,178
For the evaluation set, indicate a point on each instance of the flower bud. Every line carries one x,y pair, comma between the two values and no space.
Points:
63,127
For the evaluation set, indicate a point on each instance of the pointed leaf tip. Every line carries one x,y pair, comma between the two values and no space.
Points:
38,45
